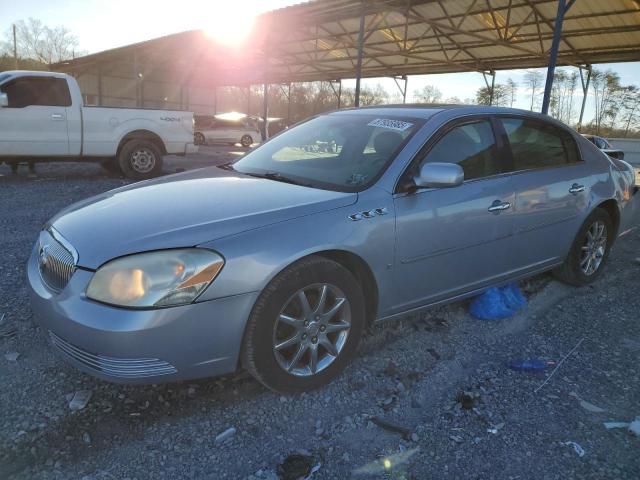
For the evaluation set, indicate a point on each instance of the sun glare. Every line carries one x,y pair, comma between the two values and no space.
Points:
230,24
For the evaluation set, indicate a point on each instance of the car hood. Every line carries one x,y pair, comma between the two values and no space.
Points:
184,210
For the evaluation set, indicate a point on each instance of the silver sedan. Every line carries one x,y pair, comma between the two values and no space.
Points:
277,263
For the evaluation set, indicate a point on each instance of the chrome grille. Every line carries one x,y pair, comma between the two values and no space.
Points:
114,367
56,262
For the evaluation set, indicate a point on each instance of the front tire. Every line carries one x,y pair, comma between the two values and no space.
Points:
246,141
305,326
140,159
589,251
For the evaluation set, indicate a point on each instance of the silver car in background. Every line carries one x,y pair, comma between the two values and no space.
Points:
221,129
278,262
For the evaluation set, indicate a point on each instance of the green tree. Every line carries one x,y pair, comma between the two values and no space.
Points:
501,95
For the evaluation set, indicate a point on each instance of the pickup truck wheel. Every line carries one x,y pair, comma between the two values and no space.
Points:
305,326
140,159
246,141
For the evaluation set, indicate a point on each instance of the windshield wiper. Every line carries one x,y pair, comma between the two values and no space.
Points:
226,166
278,177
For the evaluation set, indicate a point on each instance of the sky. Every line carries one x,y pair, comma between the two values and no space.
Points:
104,24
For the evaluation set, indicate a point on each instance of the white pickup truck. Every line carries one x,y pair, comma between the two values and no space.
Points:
42,118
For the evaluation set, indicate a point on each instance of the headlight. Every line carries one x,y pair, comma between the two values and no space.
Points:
155,279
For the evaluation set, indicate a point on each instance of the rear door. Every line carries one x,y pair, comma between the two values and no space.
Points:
453,240
35,122
552,186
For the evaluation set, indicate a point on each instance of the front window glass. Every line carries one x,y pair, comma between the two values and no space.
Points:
342,152
472,146
25,91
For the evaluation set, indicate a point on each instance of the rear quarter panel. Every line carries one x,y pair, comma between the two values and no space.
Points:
104,128
608,182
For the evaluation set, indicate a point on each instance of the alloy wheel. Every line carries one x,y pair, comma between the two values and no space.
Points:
312,329
594,248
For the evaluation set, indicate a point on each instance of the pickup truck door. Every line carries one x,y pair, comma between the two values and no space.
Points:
35,122
454,240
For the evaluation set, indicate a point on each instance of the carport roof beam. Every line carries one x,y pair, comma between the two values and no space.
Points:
318,41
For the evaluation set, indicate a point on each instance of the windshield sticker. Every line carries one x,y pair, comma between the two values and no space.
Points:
356,179
391,124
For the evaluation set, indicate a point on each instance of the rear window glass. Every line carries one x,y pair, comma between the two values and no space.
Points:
537,144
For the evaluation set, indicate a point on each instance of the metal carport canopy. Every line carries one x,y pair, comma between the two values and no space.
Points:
318,40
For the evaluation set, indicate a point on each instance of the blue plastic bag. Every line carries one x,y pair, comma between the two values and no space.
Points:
513,297
497,303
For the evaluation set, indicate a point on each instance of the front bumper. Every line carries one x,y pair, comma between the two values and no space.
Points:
140,346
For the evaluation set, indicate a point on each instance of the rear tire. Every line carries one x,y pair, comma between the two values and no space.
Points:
140,159
589,251
320,339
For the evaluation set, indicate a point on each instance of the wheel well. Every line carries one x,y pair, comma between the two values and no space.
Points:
611,207
359,269
145,135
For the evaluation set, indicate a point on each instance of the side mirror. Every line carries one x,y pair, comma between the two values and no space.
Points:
439,175
4,100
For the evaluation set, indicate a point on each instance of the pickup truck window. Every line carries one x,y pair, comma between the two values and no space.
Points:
25,91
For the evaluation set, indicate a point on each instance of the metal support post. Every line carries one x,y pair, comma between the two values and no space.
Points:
563,7
359,60
585,92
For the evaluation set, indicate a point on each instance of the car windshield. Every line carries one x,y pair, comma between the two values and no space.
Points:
345,152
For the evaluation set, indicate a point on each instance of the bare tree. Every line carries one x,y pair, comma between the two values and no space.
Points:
512,91
428,94
373,96
36,41
631,109
533,81
606,86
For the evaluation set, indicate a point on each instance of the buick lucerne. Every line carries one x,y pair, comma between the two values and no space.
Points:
278,262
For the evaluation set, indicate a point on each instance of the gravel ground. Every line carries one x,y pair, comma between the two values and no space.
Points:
439,379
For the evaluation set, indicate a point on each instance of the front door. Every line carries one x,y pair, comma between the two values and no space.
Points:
35,122
453,240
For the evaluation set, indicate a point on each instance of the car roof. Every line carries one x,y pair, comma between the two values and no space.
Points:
34,73
428,110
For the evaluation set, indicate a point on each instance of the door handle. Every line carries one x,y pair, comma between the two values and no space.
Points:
57,116
575,188
499,206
